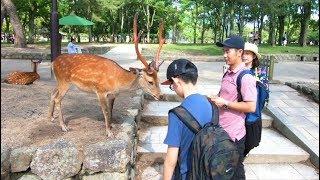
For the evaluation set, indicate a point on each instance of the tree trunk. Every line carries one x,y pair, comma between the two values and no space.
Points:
260,28
174,30
122,21
241,20
195,25
271,30
90,27
19,39
306,13
231,18
3,13
31,28
203,30
149,20
281,28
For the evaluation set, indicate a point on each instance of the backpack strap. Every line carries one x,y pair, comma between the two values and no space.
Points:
239,78
188,119
222,78
215,112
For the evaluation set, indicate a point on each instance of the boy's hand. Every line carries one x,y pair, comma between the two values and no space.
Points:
220,102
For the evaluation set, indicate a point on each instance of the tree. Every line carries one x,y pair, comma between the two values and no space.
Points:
305,18
10,9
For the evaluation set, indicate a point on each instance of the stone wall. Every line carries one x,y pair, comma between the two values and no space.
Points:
295,57
44,54
309,89
113,158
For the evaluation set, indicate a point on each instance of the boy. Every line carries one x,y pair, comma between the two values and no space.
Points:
182,77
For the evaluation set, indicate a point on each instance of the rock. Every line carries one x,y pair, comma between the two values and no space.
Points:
100,176
127,104
20,158
29,176
127,132
306,90
110,156
5,162
152,173
315,95
56,161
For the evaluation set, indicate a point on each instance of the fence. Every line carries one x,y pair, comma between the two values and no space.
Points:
268,63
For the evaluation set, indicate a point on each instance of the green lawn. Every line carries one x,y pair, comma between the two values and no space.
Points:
211,49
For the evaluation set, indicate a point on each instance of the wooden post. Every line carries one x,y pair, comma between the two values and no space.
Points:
271,67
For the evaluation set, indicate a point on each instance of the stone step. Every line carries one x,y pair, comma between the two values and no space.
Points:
273,148
283,171
203,89
156,113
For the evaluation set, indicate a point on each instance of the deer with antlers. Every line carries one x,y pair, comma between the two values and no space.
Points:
104,77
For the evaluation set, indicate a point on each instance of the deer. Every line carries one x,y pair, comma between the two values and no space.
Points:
104,77
24,78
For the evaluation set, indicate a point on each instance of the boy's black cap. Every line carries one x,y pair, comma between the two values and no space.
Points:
178,67
233,41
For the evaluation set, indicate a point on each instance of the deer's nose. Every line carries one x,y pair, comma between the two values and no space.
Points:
161,97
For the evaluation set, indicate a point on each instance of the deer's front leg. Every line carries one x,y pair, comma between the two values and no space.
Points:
62,90
110,102
52,104
106,113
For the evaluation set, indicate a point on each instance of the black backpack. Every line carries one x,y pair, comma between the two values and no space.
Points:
214,155
253,121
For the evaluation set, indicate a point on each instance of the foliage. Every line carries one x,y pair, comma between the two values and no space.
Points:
197,21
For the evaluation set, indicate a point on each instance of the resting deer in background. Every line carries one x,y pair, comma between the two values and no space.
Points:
104,77
24,78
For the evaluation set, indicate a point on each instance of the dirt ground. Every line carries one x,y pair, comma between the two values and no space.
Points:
24,116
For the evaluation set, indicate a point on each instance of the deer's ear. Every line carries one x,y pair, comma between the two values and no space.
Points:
135,70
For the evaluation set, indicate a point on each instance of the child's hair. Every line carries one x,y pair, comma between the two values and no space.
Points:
189,76
72,39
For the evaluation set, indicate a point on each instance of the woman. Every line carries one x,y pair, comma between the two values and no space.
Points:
72,47
251,57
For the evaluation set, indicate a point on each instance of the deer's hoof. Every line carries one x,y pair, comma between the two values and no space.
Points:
109,134
65,128
51,119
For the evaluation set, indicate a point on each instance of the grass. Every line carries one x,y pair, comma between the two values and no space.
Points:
213,50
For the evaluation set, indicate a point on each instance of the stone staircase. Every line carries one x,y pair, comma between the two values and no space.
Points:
275,158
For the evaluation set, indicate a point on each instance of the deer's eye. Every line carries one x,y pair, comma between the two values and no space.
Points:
150,82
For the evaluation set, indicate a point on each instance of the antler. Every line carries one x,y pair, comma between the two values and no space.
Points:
161,42
136,39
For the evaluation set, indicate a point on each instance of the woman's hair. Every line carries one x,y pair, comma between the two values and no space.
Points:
72,39
255,62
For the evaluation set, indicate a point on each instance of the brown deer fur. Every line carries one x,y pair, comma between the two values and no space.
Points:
102,76
23,78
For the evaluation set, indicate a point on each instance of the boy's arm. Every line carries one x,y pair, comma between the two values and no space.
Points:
244,106
170,162
249,95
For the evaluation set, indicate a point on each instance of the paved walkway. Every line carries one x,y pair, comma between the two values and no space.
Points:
297,117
